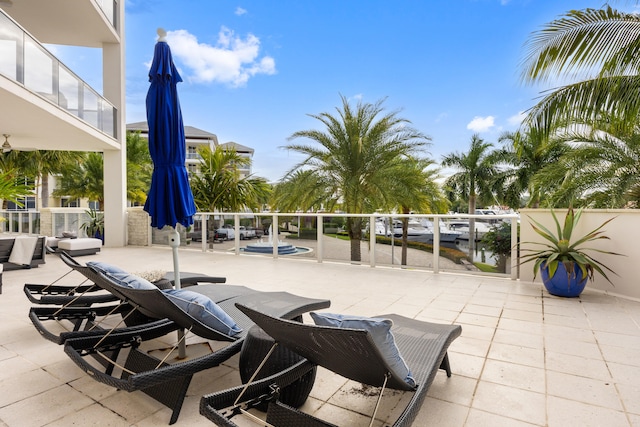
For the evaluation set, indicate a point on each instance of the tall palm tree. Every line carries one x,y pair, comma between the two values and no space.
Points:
84,180
303,190
476,179
139,167
602,170
599,46
355,157
43,163
528,151
219,186
415,189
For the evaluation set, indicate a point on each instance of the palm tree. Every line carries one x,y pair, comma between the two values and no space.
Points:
139,168
477,178
415,189
602,170
528,151
84,180
355,158
580,42
42,163
219,186
10,188
302,190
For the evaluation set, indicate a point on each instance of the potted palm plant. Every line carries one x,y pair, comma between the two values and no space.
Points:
94,225
565,265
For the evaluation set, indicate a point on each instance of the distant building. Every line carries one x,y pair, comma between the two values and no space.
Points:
196,138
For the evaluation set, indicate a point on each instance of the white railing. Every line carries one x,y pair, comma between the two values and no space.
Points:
320,253
21,222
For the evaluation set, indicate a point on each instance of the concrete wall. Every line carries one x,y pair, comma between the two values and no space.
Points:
623,233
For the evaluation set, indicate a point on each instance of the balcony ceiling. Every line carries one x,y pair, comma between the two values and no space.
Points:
65,22
35,123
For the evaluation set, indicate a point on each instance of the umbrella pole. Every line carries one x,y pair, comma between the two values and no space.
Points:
174,243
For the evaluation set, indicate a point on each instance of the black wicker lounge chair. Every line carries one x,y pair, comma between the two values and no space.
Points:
78,310
168,383
351,353
87,293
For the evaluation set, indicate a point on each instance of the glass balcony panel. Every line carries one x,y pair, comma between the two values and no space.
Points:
38,70
10,48
69,97
25,61
108,121
91,106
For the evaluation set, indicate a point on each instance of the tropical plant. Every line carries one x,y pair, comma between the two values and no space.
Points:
94,225
528,151
84,180
355,159
10,189
219,186
498,241
139,168
601,170
602,47
415,189
477,178
562,249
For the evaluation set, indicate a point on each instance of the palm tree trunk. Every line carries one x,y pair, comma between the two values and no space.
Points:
472,227
355,234
44,197
405,229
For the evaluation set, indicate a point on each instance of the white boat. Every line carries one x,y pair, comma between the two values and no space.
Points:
462,226
422,231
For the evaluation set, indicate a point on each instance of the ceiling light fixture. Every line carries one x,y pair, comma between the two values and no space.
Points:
6,147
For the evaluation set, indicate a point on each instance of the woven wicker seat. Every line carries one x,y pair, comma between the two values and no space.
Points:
347,352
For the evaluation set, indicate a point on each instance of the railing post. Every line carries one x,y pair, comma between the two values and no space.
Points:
372,241
319,233
514,249
436,245
274,235
236,228
203,232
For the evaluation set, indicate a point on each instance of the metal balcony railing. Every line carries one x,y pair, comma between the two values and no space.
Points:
24,60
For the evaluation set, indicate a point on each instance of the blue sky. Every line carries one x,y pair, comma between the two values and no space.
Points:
253,69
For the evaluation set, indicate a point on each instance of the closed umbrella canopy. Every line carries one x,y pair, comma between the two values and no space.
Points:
169,201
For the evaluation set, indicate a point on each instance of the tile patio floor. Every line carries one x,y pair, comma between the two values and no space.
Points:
524,358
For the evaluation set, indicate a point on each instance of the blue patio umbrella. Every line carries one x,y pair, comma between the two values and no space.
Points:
169,201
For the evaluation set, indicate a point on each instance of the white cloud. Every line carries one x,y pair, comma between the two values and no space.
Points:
481,124
232,61
517,119
240,11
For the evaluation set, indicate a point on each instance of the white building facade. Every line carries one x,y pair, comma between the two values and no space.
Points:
44,105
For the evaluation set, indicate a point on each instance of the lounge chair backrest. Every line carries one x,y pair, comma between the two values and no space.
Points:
151,302
154,303
92,275
347,352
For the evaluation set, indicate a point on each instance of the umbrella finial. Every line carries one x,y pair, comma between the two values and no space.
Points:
162,34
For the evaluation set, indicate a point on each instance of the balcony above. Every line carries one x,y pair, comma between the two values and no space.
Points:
44,105
68,22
